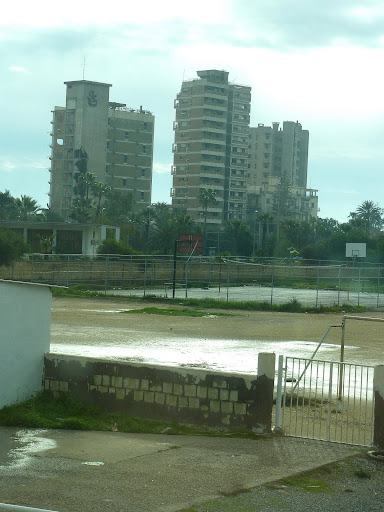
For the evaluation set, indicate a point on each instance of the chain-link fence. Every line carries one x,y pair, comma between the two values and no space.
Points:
272,281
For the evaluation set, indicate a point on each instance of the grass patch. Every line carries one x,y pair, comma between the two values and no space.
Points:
307,483
362,473
65,412
174,312
292,306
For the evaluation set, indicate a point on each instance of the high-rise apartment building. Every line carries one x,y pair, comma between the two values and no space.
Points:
275,152
211,147
113,142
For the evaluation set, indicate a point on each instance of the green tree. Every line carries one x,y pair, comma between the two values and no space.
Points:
370,213
27,208
12,247
112,246
8,209
85,182
240,235
117,207
265,219
283,201
81,210
99,191
206,198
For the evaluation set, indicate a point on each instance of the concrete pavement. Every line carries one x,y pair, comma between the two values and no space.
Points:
75,471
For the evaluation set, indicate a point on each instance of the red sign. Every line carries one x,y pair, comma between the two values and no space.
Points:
190,244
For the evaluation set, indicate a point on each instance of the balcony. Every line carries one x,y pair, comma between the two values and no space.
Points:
173,170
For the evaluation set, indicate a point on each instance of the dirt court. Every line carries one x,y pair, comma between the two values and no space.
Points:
101,322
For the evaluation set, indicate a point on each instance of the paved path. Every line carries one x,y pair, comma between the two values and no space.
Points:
70,471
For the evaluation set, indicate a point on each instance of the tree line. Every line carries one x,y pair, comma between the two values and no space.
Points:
154,229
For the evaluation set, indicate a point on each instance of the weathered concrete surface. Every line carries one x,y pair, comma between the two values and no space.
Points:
152,473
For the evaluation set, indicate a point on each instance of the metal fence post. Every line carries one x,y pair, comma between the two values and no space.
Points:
145,275
32,269
106,274
279,393
329,416
228,269
317,285
272,280
359,286
68,270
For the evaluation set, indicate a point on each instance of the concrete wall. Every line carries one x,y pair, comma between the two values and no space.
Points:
378,424
168,393
25,319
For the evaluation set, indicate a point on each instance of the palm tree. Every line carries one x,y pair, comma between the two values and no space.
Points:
27,208
8,209
85,182
265,219
370,213
206,197
81,210
99,190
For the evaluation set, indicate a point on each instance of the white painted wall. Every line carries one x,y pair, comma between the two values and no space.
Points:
25,320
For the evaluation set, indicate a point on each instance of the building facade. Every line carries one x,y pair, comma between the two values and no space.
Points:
211,147
276,152
92,134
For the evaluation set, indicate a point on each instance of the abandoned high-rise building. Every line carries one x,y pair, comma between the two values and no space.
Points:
211,147
113,142
275,153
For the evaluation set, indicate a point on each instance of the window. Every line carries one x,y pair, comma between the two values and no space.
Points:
126,135
143,173
141,196
124,182
107,144
145,126
125,159
144,148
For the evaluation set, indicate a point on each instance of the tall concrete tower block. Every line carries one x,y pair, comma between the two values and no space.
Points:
107,139
211,147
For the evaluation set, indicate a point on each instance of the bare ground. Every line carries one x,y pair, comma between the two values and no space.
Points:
71,316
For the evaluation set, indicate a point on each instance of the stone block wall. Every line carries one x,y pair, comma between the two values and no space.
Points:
168,393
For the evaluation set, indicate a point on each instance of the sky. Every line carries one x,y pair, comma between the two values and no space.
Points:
316,62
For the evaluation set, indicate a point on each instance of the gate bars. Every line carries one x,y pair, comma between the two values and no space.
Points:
311,408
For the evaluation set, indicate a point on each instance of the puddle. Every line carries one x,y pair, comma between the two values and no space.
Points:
106,310
239,356
17,447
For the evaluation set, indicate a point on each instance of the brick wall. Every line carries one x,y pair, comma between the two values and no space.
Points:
159,392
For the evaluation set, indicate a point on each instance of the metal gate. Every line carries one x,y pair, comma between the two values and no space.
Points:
325,400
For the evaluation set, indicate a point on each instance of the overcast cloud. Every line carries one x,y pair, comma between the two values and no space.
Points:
316,62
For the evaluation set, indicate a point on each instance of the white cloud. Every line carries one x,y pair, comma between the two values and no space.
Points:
17,69
41,13
162,168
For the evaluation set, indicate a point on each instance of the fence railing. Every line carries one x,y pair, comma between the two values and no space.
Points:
225,279
316,407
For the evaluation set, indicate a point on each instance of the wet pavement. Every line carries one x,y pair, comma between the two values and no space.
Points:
71,471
